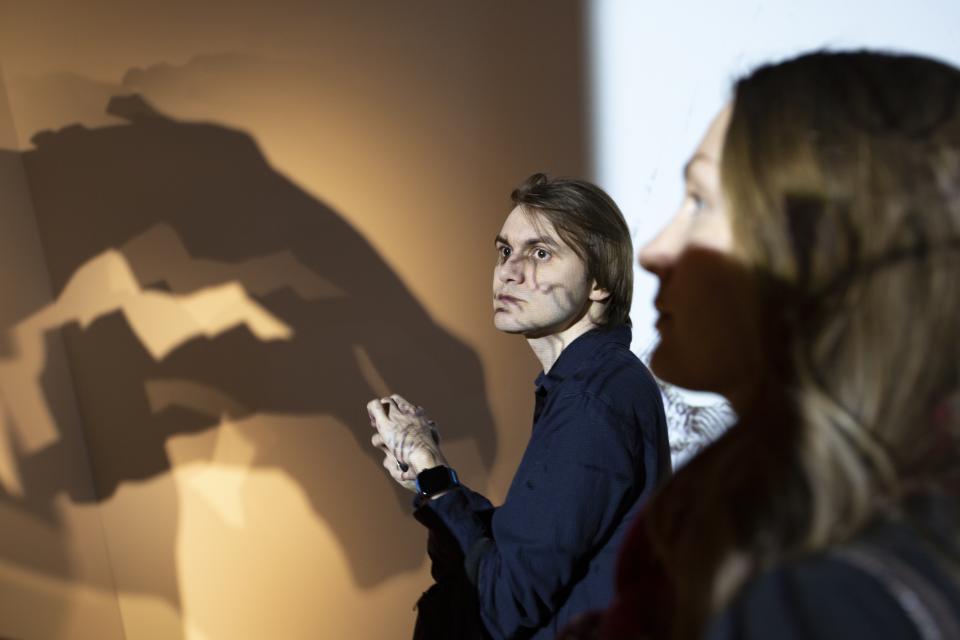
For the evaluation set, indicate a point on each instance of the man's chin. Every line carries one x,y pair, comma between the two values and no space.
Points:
507,325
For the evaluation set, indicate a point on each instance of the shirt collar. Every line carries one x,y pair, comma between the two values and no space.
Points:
578,352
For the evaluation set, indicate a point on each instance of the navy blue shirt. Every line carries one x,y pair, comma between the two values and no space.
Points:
597,451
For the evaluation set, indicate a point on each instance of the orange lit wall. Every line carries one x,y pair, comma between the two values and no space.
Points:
225,226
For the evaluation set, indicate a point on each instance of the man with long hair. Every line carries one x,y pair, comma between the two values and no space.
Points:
562,280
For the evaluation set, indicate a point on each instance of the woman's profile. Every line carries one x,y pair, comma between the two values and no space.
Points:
812,277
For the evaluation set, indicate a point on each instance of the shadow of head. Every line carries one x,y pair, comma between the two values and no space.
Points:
194,206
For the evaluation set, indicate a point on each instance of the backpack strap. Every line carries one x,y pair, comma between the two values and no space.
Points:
924,603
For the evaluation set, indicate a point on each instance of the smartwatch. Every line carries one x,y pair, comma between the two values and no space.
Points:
436,480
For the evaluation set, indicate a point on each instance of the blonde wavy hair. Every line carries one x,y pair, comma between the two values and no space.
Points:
842,172
842,176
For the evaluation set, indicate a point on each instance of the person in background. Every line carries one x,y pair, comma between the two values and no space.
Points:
812,277
563,280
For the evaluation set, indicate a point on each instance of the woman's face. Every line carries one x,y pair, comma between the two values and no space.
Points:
709,320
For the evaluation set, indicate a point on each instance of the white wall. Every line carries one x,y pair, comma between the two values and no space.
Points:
662,69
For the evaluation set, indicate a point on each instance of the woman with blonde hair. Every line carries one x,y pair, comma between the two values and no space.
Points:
812,277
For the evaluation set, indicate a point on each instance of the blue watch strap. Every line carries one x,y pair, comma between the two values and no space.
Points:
435,480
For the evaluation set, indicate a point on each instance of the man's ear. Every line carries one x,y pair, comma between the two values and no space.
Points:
597,294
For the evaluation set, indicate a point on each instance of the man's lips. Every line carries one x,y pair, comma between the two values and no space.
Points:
508,299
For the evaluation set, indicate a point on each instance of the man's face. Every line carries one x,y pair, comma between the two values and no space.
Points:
540,285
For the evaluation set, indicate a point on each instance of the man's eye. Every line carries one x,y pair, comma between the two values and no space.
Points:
504,252
541,254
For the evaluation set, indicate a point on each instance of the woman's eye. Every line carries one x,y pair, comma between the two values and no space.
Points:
698,202
541,254
504,252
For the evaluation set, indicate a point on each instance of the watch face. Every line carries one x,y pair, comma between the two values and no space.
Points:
435,480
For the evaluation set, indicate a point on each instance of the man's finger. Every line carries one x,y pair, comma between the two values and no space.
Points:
376,410
390,464
391,405
373,422
401,402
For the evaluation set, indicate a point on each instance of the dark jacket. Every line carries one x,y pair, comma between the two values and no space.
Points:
598,449
900,578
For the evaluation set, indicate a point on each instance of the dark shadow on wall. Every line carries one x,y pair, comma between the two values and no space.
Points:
196,205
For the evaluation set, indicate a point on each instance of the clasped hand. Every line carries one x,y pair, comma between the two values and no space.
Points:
408,438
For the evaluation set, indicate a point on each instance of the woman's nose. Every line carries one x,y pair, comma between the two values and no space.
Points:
657,255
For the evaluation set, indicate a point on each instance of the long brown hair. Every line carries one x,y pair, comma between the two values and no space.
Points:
842,176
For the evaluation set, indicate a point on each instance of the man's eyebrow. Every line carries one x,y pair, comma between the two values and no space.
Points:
530,242
697,157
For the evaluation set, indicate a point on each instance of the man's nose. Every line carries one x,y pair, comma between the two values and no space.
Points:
511,270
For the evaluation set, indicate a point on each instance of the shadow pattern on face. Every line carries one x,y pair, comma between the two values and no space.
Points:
713,334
